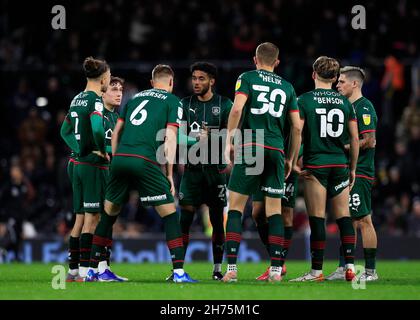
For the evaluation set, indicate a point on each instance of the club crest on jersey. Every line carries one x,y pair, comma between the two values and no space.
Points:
215,110
366,119
238,84
99,106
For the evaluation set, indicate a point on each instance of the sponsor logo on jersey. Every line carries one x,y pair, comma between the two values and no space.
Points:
215,110
238,84
366,119
342,185
91,204
181,195
154,198
272,190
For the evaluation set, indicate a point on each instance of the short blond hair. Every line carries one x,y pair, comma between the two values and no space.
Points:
326,68
162,71
267,53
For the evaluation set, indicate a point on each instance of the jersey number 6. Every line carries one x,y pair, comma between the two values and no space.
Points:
137,110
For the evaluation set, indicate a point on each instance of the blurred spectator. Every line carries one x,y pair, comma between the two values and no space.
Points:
397,221
33,129
414,219
16,198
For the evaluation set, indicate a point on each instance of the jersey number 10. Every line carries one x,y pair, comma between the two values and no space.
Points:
327,122
268,105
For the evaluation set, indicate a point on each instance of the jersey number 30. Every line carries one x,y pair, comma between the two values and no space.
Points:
268,105
137,110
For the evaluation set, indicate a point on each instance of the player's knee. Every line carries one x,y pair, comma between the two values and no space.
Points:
78,226
187,208
258,213
111,209
90,222
287,214
365,223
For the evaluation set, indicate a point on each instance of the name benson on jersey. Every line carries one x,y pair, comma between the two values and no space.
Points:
329,100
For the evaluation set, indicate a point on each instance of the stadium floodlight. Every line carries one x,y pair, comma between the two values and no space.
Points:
41,102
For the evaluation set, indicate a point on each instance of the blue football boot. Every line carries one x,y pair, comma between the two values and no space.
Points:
109,276
91,276
184,278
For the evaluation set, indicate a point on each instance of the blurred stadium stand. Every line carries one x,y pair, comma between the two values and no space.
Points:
38,62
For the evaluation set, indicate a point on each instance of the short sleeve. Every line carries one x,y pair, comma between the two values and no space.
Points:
175,113
227,106
242,85
293,105
366,120
184,106
353,116
300,106
96,106
123,112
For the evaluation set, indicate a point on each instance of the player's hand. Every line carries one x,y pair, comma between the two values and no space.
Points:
352,178
171,182
305,174
287,168
228,149
102,155
297,169
204,133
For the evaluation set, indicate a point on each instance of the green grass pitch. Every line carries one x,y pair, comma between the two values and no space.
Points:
398,280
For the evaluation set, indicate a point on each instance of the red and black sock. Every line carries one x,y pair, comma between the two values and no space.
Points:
218,234
276,239
317,241
262,228
101,239
108,249
174,240
74,252
233,235
85,248
186,221
348,238
288,233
